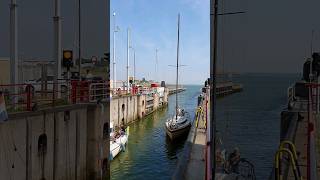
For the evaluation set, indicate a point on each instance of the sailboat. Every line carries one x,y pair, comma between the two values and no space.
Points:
178,125
118,141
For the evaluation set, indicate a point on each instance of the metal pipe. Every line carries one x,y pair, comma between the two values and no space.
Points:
57,46
156,66
134,65
79,36
128,57
14,47
114,50
213,69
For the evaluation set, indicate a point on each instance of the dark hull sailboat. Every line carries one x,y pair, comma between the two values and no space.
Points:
180,124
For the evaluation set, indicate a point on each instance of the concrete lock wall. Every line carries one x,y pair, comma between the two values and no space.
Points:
65,142
127,109
141,106
74,141
130,108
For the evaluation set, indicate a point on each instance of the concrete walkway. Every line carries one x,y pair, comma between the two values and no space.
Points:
300,141
196,165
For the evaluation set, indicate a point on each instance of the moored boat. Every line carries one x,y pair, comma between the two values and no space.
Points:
178,125
118,141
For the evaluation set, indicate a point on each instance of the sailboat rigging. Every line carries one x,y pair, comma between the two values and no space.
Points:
180,124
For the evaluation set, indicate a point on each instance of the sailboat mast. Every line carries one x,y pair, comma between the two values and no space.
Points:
213,70
177,67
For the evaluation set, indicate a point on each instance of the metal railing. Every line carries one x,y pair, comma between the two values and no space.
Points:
32,96
313,108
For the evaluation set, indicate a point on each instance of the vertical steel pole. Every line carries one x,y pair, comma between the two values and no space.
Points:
79,37
134,65
213,68
57,47
156,66
14,48
114,51
128,56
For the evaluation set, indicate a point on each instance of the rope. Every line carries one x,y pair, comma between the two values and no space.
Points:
14,144
67,150
5,154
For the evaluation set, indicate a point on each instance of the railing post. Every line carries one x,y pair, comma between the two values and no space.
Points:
29,100
74,92
81,91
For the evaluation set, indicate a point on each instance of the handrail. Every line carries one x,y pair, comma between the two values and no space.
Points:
278,158
33,95
292,147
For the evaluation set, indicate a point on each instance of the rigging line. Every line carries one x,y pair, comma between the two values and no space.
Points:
10,140
5,153
68,148
14,144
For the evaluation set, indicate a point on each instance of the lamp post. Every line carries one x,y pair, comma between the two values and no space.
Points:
156,66
115,30
134,64
128,57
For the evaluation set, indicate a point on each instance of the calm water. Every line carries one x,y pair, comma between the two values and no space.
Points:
149,154
248,120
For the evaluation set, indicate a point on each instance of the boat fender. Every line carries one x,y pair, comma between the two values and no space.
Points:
123,147
110,156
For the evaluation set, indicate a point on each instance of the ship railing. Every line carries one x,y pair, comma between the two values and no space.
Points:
313,109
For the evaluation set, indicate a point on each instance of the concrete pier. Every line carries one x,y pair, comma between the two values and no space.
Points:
173,91
192,163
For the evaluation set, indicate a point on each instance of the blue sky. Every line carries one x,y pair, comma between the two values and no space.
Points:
153,25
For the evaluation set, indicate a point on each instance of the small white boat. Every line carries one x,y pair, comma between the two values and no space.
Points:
118,141
179,125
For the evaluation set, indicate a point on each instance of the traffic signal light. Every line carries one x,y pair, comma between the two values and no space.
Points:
67,59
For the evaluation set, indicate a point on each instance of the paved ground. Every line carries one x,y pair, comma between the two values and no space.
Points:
196,164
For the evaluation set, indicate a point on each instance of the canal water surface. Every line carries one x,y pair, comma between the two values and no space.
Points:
248,120
150,154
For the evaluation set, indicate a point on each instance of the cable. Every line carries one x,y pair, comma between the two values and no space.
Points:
6,154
